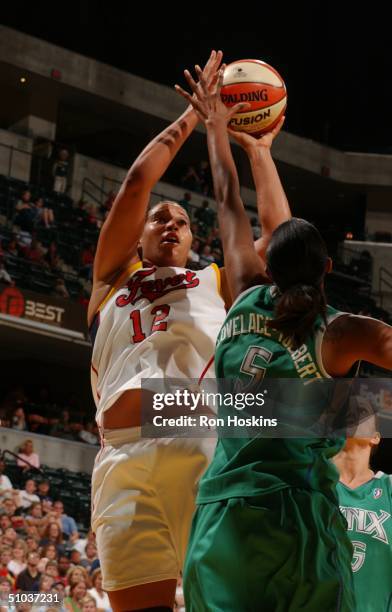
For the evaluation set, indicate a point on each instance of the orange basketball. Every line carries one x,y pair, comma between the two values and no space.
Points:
262,86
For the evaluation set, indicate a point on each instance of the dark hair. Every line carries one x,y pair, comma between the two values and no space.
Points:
296,260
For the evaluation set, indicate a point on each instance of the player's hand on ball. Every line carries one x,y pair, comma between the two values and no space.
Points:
206,98
247,142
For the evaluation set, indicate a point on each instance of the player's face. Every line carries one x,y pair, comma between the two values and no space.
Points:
167,238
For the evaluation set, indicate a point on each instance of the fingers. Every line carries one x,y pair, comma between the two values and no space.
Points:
192,84
200,76
211,61
238,107
278,126
192,100
220,78
183,93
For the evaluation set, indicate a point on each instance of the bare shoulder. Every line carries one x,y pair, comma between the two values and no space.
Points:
99,292
101,289
351,338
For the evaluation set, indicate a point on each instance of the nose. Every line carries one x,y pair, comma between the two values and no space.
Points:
172,225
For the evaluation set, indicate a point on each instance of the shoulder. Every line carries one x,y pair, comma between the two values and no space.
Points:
102,290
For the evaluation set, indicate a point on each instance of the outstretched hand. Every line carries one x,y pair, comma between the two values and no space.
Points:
247,142
206,99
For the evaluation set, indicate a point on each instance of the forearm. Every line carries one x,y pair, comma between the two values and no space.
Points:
224,172
154,160
272,204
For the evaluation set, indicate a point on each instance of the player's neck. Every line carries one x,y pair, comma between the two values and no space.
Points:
353,467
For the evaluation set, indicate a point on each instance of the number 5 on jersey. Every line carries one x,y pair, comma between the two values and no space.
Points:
159,322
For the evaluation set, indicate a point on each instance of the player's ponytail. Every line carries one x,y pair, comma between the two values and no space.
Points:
296,260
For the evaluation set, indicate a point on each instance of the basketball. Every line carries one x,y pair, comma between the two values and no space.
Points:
260,85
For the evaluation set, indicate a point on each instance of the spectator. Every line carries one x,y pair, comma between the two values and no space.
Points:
19,418
18,559
53,535
27,496
44,215
194,256
24,239
101,598
6,587
68,524
11,536
205,215
45,583
75,557
32,544
81,543
12,248
63,429
34,252
63,565
26,453
5,483
59,589
35,517
59,289
44,490
186,203
52,256
5,520
75,574
206,258
76,594
28,579
88,604
90,556
5,558
48,554
52,569
9,508
4,276
60,171
26,213
88,433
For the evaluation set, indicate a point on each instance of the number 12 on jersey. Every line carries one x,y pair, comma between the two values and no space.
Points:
159,322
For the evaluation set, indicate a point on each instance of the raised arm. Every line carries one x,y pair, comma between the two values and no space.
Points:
119,237
353,338
272,205
244,268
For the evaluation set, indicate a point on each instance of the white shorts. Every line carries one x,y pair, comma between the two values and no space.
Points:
143,499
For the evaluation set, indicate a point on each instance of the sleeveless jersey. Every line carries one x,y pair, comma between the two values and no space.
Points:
161,322
368,511
255,465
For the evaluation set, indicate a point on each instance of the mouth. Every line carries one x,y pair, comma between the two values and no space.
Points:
170,238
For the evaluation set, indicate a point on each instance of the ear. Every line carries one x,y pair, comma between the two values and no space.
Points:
375,441
328,266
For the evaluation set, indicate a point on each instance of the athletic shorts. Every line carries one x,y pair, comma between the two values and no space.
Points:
143,499
282,552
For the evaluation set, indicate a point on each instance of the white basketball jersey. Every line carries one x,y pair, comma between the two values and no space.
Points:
161,322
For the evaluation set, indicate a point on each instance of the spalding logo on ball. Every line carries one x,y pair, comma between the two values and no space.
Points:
262,86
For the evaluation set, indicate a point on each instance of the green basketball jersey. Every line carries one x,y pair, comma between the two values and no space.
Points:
368,511
259,465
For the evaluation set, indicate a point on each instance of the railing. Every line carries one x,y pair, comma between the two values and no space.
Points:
384,281
19,458
9,164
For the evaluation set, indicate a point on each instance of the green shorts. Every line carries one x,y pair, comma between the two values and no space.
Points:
282,552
